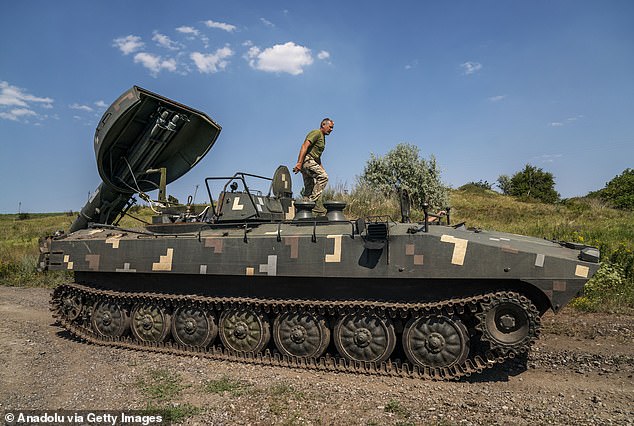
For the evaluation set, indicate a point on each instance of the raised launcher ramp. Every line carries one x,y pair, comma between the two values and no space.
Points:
142,132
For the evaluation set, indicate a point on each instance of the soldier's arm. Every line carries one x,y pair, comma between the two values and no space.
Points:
302,155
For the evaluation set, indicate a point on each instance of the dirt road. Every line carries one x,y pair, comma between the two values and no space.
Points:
580,372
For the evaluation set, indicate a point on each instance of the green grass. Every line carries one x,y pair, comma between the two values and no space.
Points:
171,414
161,389
161,385
395,407
19,246
283,400
226,384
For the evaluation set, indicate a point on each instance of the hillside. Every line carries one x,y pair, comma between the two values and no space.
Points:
580,220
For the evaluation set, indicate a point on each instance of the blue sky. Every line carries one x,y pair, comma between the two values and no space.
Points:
484,86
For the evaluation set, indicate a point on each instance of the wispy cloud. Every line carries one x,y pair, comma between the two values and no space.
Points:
188,30
220,25
128,44
267,22
567,121
411,65
101,104
208,63
192,33
497,98
164,41
16,104
15,96
323,55
548,158
16,114
289,58
80,107
470,67
155,63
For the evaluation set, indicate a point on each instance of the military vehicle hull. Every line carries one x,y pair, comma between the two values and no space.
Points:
442,285
250,281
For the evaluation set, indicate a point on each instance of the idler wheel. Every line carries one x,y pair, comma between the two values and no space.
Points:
364,338
70,306
508,324
109,319
436,342
193,327
149,323
301,334
244,330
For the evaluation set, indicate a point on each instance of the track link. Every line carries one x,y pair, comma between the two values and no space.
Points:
489,354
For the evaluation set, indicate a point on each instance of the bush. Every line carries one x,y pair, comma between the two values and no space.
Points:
478,186
619,192
606,288
612,287
532,183
402,167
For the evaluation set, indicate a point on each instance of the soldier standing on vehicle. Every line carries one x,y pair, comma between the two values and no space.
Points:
309,163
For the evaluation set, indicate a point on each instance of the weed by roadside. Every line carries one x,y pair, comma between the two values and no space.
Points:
161,388
227,385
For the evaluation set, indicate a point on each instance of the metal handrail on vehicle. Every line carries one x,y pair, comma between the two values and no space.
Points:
237,176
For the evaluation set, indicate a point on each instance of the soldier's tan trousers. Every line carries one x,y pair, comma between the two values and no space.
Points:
315,180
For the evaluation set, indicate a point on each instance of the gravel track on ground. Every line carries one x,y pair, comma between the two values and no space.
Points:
580,372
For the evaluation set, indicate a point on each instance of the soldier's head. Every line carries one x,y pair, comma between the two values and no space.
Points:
327,125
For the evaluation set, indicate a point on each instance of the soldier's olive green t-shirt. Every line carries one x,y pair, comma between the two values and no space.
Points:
317,144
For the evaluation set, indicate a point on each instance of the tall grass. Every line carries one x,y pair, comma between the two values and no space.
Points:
19,246
581,220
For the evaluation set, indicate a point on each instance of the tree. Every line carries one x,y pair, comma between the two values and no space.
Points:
531,183
402,167
620,190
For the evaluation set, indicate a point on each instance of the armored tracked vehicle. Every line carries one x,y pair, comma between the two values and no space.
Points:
255,278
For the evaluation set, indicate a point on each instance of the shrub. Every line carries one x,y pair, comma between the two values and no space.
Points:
606,288
477,186
532,183
402,167
619,192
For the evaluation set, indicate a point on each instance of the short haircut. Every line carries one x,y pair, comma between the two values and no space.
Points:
324,121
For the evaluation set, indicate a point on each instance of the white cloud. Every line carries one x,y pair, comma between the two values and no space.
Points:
17,113
497,98
567,121
548,158
267,22
154,62
21,103
471,67
192,34
411,65
323,55
15,96
289,57
128,44
187,30
164,41
80,107
575,118
220,25
101,104
208,63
